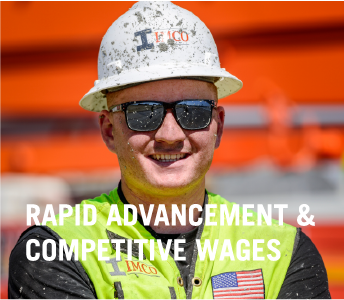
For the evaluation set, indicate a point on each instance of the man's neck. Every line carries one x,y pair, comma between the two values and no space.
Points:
194,196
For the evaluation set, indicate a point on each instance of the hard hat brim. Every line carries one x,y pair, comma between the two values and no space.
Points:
95,100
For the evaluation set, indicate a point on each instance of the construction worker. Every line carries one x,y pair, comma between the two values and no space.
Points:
159,81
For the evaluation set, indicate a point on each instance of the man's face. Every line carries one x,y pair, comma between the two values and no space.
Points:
137,151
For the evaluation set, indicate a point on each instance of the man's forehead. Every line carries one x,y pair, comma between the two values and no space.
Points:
165,90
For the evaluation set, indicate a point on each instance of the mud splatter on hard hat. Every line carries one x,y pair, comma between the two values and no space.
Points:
154,41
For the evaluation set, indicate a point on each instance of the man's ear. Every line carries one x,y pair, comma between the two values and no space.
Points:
220,124
106,127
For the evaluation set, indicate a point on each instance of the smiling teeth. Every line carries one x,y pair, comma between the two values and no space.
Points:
167,157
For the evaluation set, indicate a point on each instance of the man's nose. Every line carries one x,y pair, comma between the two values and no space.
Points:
170,132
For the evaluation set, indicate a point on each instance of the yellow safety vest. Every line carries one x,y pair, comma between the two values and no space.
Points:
140,279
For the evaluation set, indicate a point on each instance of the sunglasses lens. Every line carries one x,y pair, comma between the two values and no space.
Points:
193,114
144,116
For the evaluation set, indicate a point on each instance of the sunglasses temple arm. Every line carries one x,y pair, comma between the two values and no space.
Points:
116,108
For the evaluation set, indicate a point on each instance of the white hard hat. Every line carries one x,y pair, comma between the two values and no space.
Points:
154,41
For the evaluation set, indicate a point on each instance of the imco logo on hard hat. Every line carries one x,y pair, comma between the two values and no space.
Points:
154,41
163,38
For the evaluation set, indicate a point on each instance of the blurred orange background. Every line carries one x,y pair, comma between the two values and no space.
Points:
289,116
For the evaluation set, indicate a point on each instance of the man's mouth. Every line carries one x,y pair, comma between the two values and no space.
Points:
168,157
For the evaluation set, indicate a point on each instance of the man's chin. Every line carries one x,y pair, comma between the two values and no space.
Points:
175,185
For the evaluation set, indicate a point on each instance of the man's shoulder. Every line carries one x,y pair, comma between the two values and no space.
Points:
306,269
34,279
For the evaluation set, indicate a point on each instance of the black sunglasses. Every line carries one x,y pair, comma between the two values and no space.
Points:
149,115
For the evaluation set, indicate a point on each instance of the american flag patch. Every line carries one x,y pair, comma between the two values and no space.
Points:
238,285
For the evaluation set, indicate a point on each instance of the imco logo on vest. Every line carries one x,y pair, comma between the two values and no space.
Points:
139,267
163,38
132,267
